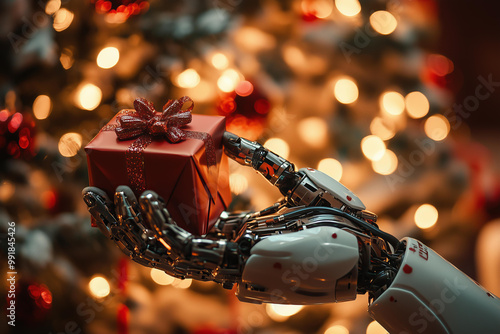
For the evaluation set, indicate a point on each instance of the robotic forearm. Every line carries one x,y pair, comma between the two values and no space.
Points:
229,253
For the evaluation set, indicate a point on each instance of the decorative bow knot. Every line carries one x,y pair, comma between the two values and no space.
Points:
145,120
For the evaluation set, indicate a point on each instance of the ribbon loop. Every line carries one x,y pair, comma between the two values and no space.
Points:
146,121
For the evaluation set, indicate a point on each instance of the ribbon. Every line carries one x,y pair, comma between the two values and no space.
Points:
145,120
145,124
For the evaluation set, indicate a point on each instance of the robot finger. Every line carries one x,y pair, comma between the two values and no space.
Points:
156,214
100,207
129,218
176,240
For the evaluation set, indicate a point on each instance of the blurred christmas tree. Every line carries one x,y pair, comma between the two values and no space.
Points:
345,86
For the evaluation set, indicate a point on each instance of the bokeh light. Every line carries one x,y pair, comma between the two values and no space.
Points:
383,22
228,80
373,147
188,78
278,146
346,90
62,19
238,183
319,8
437,127
66,58
348,7
69,144
52,6
244,88
331,167
383,128
99,287
375,328
108,57
160,277
42,106
89,96
182,283
440,64
417,104
392,102
337,329
313,131
387,164
279,312
294,56
253,39
48,199
219,61
7,189
426,216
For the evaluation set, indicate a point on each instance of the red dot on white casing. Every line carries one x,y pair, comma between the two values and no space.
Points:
407,269
349,198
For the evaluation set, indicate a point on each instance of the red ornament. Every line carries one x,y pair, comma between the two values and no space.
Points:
16,135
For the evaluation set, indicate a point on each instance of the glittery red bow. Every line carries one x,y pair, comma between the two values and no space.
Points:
145,120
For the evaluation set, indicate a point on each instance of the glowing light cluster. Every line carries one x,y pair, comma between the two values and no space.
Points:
373,147
348,7
108,57
188,78
437,127
99,287
42,106
279,312
426,216
41,295
383,22
346,91
331,167
89,96
278,146
313,131
69,144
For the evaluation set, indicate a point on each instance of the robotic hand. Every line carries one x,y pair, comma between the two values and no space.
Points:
316,245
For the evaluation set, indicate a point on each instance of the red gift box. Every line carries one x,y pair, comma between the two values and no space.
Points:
191,176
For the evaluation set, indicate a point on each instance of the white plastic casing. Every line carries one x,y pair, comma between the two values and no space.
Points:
312,266
430,295
334,188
